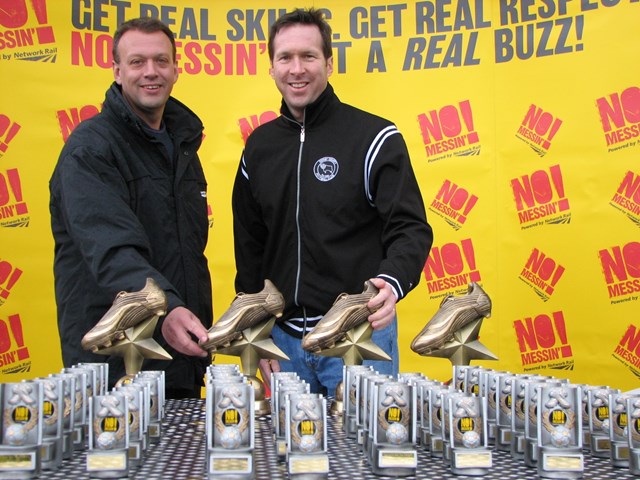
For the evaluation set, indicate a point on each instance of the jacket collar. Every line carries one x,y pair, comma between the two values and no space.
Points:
315,111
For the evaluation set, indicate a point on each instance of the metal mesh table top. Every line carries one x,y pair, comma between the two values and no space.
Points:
181,455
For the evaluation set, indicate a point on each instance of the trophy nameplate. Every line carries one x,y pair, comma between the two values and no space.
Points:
306,435
230,428
393,428
21,433
108,453
559,429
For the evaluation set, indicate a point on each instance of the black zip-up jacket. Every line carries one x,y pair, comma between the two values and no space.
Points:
122,211
322,206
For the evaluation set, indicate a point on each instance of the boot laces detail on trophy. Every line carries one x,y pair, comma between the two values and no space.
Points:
246,310
347,312
454,313
128,310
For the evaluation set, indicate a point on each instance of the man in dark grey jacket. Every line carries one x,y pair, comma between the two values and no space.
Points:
128,202
325,198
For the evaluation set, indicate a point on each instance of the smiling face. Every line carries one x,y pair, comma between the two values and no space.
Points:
299,67
147,72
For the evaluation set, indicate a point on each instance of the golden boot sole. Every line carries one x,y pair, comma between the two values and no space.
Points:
128,310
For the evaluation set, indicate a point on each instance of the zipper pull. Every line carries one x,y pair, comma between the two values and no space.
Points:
302,135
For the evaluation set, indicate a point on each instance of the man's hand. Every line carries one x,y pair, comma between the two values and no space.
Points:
267,367
177,328
386,300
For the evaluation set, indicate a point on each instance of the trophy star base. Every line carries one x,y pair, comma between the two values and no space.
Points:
308,466
235,464
472,462
394,462
17,462
108,463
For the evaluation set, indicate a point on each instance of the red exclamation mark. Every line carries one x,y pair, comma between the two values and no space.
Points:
470,257
558,321
12,276
45,34
558,183
16,188
467,118
556,276
552,132
16,330
467,208
5,122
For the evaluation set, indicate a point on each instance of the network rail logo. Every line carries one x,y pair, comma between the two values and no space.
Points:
25,33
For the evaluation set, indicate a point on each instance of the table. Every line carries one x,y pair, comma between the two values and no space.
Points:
180,455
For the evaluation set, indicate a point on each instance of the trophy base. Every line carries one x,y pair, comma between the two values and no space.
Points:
517,445
20,462
349,426
135,453
619,454
80,438
310,466
394,462
262,407
503,438
436,446
108,463
237,465
600,446
559,463
51,453
634,461
337,408
491,432
530,452
67,445
472,462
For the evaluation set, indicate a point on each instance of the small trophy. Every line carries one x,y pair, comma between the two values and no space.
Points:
633,433
230,429
393,428
155,385
68,411
81,406
365,418
488,387
467,428
134,395
434,438
559,431
598,408
350,380
101,376
503,415
424,418
306,435
531,420
279,401
52,417
21,442
108,455
519,413
618,424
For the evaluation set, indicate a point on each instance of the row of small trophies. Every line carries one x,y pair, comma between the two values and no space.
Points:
49,419
299,421
546,422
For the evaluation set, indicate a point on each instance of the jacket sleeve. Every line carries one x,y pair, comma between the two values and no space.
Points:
93,204
249,233
407,236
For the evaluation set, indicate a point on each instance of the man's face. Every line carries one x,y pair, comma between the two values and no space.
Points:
299,68
146,72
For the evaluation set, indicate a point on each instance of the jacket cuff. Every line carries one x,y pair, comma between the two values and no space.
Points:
396,288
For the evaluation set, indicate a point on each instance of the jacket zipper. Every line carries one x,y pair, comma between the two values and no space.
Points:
299,239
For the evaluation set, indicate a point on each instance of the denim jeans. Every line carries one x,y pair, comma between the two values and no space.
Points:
323,374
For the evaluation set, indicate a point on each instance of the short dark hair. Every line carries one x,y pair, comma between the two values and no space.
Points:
305,17
143,24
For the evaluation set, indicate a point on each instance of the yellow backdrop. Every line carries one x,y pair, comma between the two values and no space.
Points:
522,119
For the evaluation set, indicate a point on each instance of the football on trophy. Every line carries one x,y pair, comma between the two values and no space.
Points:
15,434
230,438
308,444
397,433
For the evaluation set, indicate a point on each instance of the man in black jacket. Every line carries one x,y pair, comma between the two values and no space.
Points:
325,199
128,203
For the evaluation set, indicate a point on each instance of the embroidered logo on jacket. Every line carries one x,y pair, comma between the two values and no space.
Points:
325,169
